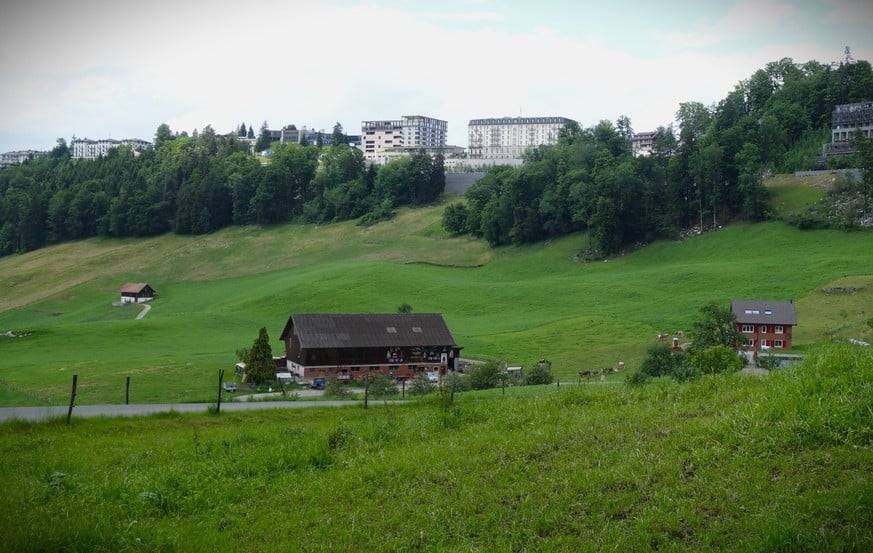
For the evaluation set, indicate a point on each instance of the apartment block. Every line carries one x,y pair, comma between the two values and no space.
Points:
384,140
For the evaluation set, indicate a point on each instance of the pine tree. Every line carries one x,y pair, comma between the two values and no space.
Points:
241,131
259,365
251,133
338,137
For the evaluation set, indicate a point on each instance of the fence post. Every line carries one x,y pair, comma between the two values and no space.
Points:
220,382
72,398
366,391
559,382
127,391
403,389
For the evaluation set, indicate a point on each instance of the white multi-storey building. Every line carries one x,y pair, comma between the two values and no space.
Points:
510,137
642,143
19,156
383,140
83,148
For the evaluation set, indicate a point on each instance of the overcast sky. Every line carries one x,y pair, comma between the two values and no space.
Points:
119,68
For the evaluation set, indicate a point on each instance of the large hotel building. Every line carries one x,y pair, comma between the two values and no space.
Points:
82,148
510,137
384,140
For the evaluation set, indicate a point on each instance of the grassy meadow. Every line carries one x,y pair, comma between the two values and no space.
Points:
518,303
726,463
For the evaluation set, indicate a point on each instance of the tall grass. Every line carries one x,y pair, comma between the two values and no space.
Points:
725,463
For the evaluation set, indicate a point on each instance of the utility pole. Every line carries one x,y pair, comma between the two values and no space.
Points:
220,382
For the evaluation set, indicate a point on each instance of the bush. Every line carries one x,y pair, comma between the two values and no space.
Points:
455,218
717,359
420,386
456,382
659,361
637,378
539,374
382,386
337,390
485,376
767,361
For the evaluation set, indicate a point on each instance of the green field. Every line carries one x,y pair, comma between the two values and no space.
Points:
518,303
726,463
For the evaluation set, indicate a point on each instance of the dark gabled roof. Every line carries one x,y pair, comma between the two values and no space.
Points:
764,312
134,287
363,330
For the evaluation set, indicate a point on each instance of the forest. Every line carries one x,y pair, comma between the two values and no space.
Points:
704,173
198,184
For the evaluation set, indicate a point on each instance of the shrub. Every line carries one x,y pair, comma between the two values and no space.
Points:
637,378
659,361
717,359
485,376
456,382
455,218
539,374
420,386
767,361
382,386
337,390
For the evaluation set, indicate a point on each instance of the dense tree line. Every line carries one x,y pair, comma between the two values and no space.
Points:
706,172
201,183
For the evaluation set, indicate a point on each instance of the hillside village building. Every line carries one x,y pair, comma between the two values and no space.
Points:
846,119
352,346
137,292
510,137
83,148
643,143
384,140
765,324
19,156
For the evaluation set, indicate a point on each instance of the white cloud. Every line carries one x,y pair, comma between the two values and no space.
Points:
744,19
850,12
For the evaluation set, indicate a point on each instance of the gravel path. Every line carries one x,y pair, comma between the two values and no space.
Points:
145,311
42,413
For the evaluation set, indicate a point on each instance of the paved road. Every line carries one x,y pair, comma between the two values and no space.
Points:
42,413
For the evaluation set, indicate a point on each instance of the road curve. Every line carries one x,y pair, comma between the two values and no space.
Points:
87,411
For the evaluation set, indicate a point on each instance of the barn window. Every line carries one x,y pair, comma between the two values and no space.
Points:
767,312
779,329
748,328
391,330
778,344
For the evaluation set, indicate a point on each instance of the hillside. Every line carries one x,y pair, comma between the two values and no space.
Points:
521,303
727,463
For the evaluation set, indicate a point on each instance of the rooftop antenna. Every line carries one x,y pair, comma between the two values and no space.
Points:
847,56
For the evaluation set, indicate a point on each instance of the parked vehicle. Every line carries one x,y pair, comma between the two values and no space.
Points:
317,384
229,386
433,377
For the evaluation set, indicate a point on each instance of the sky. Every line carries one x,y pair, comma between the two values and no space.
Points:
119,68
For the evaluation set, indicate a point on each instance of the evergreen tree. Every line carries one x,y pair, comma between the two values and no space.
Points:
241,130
338,138
259,365
263,141
251,133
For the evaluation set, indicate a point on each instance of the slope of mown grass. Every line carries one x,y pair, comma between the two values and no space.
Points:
791,195
728,463
518,303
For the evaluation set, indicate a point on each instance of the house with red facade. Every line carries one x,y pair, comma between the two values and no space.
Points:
765,324
352,346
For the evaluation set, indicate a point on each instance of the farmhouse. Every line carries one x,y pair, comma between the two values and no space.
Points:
351,346
136,292
765,324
